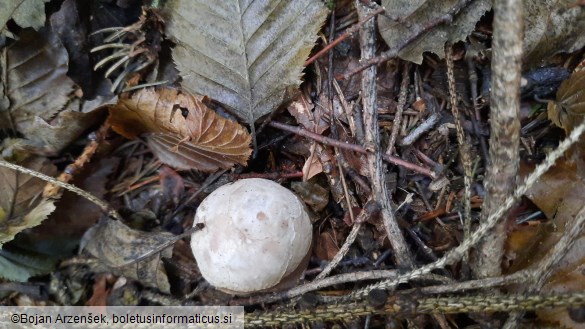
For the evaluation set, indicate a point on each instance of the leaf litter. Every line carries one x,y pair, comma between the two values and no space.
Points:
183,132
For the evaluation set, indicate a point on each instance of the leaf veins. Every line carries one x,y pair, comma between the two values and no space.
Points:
181,130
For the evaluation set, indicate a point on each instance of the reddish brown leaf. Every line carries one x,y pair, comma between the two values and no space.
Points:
559,194
100,291
308,115
326,247
172,184
181,130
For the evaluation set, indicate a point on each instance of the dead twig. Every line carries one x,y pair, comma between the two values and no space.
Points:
504,130
344,36
51,190
399,108
352,147
357,224
464,149
376,168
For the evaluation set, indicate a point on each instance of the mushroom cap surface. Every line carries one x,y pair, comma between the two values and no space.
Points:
256,233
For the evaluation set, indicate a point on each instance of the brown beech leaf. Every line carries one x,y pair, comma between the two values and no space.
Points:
559,195
181,130
569,108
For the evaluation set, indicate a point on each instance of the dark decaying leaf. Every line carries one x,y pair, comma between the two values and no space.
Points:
40,102
172,185
417,12
559,195
181,130
26,13
19,206
312,194
36,78
249,54
74,215
70,27
118,247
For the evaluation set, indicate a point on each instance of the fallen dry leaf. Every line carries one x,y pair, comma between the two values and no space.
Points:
313,194
37,96
551,27
569,108
248,55
19,204
417,11
312,166
308,115
559,195
326,247
26,13
9,228
182,131
119,246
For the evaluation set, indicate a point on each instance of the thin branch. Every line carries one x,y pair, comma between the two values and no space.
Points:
399,108
464,153
377,171
352,147
344,36
504,130
363,216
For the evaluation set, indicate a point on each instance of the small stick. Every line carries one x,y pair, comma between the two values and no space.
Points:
377,170
367,212
352,147
463,146
425,126
399,108
51,191
344,36
504,143
476,117
268,175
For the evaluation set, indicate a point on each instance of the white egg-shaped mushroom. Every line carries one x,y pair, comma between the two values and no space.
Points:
256,235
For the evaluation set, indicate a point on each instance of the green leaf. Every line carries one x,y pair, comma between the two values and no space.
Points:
248,55
15,266
26,13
